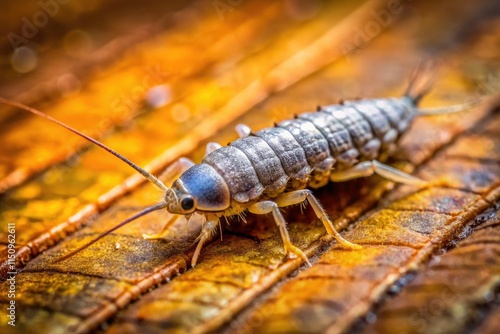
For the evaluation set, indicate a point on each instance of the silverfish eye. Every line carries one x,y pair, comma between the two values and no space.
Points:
187,203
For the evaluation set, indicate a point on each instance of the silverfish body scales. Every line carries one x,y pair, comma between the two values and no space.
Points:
303,151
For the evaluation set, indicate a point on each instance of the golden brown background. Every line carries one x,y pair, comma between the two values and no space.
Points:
157,80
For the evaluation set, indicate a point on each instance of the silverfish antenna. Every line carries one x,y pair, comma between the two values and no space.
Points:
114,228
142,171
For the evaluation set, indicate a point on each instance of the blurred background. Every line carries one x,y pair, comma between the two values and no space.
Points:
51,48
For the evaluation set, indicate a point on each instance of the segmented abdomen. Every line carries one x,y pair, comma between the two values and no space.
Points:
303,151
